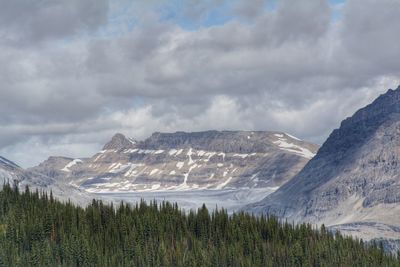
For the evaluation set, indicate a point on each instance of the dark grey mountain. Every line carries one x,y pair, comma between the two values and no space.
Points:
353,180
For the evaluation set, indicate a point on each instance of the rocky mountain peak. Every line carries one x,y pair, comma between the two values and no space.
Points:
378,111
356,130
355,175
120,141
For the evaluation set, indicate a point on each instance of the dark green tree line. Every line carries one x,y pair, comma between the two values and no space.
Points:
36,230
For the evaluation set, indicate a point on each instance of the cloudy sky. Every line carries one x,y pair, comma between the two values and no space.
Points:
74,72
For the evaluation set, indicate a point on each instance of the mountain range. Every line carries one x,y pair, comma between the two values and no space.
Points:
351,183
219,168
185,161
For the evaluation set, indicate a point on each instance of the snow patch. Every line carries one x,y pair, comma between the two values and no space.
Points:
132,171
243,156
155,186
190,153
210,155
71,164
112,166
220,186
131,150
119,167
180,164
293,137
172,152
201,153
132,141
154,171
98,157
284,145
184,186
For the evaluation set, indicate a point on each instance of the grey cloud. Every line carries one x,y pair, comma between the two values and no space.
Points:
369,35
249,9
26,22
289,69
297,20
182,62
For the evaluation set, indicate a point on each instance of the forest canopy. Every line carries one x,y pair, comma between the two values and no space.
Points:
37,230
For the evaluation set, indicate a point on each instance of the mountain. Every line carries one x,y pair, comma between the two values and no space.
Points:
185,161
9,171
353,183
13,174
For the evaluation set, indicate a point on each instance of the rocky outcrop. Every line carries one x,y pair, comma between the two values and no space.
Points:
119,141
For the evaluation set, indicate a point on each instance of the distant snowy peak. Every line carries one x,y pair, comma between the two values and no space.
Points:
186,161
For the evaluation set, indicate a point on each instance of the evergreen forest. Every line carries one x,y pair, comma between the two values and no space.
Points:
37,230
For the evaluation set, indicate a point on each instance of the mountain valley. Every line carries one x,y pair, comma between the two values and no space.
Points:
352,184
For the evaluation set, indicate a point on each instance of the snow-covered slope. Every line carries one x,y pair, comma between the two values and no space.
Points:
186,161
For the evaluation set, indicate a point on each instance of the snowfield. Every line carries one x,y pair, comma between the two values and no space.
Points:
229,199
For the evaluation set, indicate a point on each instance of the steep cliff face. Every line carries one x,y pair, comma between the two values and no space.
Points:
186,161
355,176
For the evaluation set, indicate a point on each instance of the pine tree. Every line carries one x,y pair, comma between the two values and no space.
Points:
37,230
